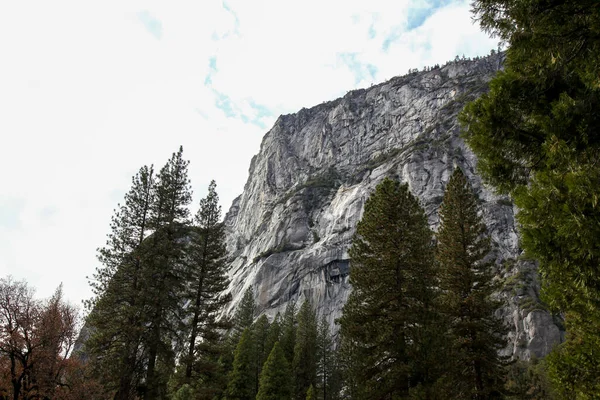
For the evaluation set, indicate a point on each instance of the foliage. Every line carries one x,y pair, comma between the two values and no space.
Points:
304,364
241,384
206,272
288,332
118,310
36,340
536,137
573,365
389,313
275,379
165,272
328,372
475,334
260,330
184,393
310,393
528,381
244,314
274,334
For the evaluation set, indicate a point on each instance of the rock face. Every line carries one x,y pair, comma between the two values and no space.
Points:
290,230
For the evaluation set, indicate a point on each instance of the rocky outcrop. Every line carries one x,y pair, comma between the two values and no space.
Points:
290,230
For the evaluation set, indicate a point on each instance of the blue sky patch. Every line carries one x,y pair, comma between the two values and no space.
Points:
415,18
231,110
223,102
261,112
418,15
228,8
372,31
360,70
212,69
151,23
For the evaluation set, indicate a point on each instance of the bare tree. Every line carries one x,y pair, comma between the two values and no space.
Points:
36,338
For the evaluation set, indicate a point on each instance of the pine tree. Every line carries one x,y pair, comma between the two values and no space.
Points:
328,374
310,394
274,334
476,335
244,314
205,257
288,332
389,311
536,137
275,379
185,392
165,277
241,384
260,330
305,351
242,319
117,310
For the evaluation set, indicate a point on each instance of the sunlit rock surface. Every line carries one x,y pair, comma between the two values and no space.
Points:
290,230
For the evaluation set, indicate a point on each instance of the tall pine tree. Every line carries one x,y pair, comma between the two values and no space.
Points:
288,332
275,379
241,385
274,334
244,314
475,334
389,311
117,312
164,278
206,272
305,351
260,330
328,374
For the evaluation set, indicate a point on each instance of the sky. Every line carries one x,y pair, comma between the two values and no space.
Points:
92,91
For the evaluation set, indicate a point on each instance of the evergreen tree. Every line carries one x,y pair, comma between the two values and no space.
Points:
207,275
241,384
536,137
117,310
328,375
476,335
165,277
244,315
288,332
185,392
389,312
274,334
305,351
310,394
260,330
275,379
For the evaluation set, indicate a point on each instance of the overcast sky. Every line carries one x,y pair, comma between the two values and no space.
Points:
91,91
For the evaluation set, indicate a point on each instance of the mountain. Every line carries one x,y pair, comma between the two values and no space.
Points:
289,232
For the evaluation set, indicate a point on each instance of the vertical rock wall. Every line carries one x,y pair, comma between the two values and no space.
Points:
290,230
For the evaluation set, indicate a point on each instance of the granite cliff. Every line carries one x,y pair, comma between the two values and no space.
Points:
289,232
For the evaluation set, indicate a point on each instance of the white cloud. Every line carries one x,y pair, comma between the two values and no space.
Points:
89,92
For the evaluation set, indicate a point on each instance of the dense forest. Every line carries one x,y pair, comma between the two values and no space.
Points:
421,320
